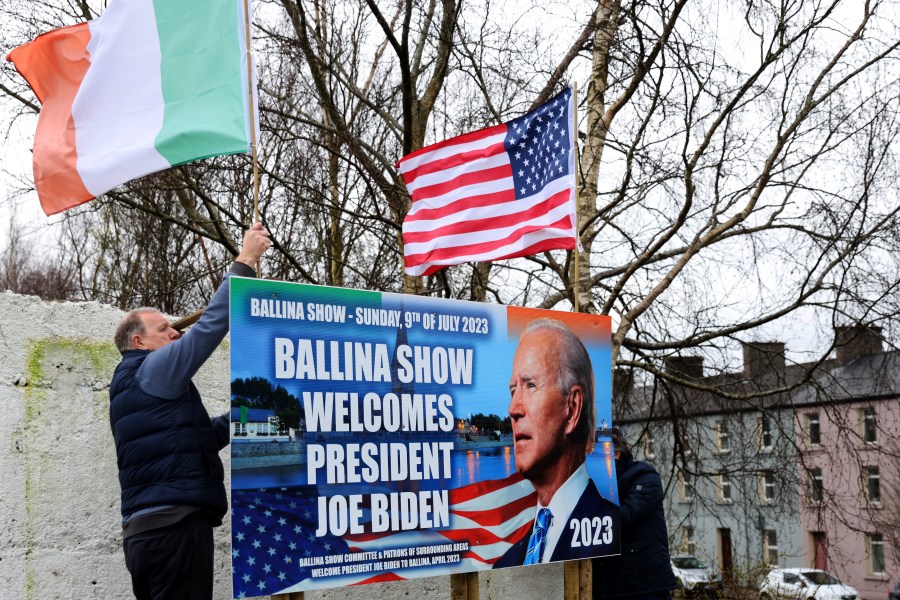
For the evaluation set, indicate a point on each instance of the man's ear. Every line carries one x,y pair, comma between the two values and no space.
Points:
135,341
574,408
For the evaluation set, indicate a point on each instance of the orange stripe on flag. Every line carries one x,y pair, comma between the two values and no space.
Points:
54,64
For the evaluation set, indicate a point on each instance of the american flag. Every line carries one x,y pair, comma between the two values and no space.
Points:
273,536
504,191
272,530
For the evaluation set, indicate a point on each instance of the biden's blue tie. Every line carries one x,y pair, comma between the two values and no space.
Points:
538,536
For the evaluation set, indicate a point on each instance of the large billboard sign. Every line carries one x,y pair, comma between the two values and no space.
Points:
379,437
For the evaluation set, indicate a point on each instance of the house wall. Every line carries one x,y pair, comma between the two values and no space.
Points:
843,518
844,515
746,515
59,501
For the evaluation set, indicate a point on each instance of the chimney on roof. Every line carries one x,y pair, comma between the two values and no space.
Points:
690,367
762,357
853,341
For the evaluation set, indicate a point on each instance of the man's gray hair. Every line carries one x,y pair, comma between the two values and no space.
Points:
130,325
574,369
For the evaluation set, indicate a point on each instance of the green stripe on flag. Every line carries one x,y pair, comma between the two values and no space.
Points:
244,412
203,79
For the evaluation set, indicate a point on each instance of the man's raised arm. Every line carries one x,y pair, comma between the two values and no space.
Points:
167,371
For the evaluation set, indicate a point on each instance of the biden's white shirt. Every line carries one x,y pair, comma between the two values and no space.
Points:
561,506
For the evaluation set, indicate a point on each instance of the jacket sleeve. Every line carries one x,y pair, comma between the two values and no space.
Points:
166,372
644,492
221,427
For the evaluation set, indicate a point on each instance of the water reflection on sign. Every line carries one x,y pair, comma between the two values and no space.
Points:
469,466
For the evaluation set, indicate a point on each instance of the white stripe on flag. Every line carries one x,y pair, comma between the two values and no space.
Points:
481,212
525,241
119,108
461,193
444,175
498,497
503,530
461,240
407,539
424,158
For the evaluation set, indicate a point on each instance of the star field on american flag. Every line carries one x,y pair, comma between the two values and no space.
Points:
538,146
271,530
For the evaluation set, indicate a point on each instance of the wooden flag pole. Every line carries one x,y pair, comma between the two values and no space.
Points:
185,322
253,152
577,581
577,278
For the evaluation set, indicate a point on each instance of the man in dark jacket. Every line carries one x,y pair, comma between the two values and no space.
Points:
167,446
643,570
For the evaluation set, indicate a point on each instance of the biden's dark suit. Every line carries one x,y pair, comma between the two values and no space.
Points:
590,505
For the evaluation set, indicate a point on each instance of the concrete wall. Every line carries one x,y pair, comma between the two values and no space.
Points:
60,533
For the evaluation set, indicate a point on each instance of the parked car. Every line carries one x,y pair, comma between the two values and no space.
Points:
804,584
894,594
693,576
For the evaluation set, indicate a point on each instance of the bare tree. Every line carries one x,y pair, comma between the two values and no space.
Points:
738,171
24,272
704,163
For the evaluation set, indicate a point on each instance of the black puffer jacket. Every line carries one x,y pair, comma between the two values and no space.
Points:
643,567
167,449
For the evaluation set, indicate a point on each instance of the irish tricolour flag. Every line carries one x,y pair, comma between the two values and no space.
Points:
148,85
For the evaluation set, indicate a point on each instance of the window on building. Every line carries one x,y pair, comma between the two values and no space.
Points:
688,541
872,485
684,445
724,487
813,433
867,425
273,425
767,487
770,547
723,441
240,428
685,487
875,548
816,487
765,434
648,445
